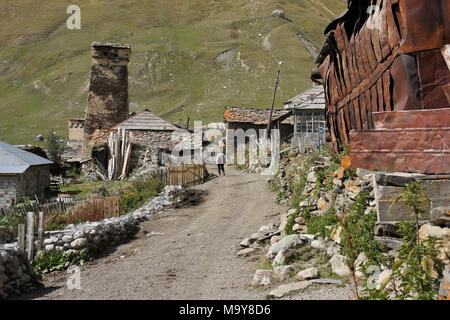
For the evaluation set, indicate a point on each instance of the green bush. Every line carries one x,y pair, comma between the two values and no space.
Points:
52,260
13,221
360,226
138,193
317,225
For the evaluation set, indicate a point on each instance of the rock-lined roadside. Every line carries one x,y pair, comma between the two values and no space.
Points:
96,236
329,193
85,238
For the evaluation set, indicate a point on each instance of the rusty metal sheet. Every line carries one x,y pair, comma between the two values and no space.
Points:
393,32
422,25
405,76
387,91
418,151
437,118
380,95
435,77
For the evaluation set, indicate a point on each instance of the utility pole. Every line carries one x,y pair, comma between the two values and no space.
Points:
274,96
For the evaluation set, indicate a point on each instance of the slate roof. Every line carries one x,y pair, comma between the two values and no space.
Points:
146,120
312,99
16,161
256,116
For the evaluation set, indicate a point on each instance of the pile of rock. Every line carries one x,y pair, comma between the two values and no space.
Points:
95,236
15,273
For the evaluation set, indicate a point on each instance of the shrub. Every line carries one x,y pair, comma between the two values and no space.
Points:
140,191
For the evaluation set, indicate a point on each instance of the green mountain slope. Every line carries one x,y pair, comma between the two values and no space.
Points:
44,67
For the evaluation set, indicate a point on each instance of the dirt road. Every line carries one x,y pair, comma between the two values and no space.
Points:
191,256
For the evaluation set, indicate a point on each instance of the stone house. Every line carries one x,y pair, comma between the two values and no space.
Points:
151,139
22,174
308,109
76,132
257,119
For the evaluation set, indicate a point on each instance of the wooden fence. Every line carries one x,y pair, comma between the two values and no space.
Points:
23,209
161,174
187,174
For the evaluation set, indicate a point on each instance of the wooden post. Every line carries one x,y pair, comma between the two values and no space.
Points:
30,236
273,99
41,231
2,235
21,238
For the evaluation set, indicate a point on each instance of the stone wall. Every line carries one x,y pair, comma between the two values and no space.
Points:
88,238
15,272
108,90
33,182
285,130
76,132
8,190
94,237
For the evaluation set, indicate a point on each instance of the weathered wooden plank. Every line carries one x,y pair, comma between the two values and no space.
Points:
352,54
387,91
369,49
362,106
374,96
383,32
2,235
380,95
374,32
393,32
21,238
348,57
360,57
30,236
40,245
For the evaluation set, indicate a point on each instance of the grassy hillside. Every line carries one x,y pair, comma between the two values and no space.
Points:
44,67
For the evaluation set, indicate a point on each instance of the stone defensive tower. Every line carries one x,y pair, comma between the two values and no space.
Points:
108,90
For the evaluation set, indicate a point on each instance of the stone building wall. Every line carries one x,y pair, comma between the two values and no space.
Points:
108,90
154,144
76,132
34,181
8,190
14,187
285,130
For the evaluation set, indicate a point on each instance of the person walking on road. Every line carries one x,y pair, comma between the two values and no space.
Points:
220,161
